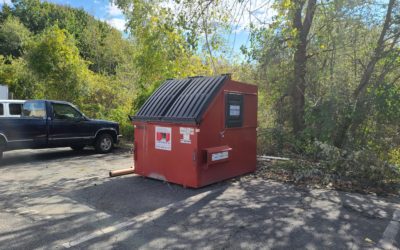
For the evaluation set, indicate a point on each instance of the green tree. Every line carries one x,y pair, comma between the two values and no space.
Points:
160,48
14,37
97,41
56,61
21,81
104,47
386,52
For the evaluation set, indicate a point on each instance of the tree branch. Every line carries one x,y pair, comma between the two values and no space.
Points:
377,52
208,45
311,6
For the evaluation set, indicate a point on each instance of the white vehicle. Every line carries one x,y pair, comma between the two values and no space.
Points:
11,108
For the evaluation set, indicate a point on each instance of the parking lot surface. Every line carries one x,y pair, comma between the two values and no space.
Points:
60,199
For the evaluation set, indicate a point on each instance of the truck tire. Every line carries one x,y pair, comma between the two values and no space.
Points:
104,144
78,148
2,147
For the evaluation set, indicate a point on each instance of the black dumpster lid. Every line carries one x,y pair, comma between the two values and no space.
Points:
183,101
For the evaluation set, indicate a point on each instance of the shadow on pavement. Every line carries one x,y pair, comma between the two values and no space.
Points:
245,216
61,154
133,195
89,206
137,212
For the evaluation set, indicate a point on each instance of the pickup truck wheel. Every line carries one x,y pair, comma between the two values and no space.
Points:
2,147
104,144
77,148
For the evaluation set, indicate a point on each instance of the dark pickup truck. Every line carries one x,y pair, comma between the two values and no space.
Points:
47,124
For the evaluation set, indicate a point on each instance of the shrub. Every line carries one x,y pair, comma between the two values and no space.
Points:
363,167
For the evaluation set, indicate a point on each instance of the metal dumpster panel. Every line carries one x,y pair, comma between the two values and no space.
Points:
158,104
173,162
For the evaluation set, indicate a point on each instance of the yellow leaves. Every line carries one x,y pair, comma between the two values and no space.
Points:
154,19
394,156
56,61
286,4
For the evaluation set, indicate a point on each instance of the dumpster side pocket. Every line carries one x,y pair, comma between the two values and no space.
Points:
218,155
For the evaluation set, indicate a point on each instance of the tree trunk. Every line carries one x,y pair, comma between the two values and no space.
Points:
356,118
300,62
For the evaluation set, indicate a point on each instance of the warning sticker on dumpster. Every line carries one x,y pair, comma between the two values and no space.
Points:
185,135
163,138
220,156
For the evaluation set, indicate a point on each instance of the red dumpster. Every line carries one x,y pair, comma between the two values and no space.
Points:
197,131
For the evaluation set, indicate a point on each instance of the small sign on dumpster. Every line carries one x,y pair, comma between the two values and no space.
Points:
163,138
186,133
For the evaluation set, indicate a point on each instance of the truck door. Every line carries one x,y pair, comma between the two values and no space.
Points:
31,129
68,126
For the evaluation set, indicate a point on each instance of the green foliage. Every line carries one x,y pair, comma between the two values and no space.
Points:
21,81
394,157
56,61
340,46
341,43
104,47
161,50
360,170
38,16
97,42
362,166
14,37
58,52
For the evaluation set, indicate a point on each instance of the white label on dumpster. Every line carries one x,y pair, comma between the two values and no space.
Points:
234,110
186,133
220,156
163,138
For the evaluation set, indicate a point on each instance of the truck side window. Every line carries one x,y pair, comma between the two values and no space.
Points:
65,112
34,110
233,110
1,109
15,109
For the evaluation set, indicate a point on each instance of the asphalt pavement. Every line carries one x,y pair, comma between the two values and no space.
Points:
61,199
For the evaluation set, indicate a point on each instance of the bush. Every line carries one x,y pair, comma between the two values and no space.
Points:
323,164
363,167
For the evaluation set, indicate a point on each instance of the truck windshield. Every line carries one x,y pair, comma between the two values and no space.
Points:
34,110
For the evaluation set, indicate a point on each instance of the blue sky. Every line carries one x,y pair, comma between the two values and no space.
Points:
104,10
101,9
